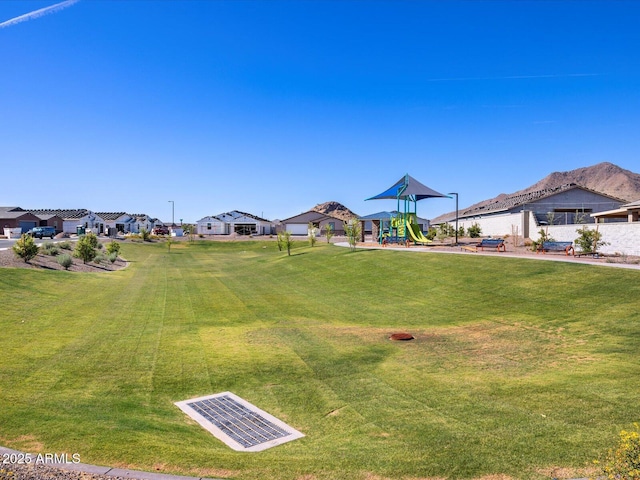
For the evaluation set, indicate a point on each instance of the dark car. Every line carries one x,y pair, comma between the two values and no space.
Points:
40,232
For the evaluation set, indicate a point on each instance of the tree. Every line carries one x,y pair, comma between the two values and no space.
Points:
87,247
285,241
474,231
113,247
589,240
25,248
312,231
145,234
352,230
328,232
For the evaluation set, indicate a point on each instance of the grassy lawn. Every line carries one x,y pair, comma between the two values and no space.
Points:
518,366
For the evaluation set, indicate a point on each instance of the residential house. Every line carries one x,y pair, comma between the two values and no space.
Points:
526,213
16,217
234,222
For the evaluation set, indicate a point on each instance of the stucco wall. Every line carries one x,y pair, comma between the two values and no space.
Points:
623,238
494,225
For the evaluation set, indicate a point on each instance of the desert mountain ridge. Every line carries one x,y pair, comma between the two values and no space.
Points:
603,177
334,209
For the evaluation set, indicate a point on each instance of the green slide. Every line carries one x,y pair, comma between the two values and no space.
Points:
416,234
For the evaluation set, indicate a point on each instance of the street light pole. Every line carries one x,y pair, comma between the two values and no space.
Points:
453,193
173,205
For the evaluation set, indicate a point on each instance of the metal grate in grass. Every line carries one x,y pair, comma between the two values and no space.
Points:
238,423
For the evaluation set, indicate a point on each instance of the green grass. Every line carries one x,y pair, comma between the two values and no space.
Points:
518,366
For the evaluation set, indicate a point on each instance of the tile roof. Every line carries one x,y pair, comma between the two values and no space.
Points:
68,214
111,215
516,200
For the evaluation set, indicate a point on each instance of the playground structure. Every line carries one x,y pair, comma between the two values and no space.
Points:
402,226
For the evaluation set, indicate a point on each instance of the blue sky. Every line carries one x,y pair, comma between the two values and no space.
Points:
271,107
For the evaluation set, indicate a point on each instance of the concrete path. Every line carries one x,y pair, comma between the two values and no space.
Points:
552,257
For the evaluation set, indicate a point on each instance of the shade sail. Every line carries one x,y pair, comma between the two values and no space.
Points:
408,188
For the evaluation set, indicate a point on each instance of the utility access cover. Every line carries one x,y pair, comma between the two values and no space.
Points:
238,423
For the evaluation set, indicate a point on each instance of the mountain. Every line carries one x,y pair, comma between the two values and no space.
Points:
604,178
334,209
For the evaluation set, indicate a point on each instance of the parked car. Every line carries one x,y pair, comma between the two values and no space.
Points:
160,231
40,232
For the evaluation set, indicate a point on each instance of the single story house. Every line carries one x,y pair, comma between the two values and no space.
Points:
299,224
142,220
51,220
234,222
525,213
74,218
16,217
118,221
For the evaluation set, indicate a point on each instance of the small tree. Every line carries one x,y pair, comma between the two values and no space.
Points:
444,231
169,242
474,231
589,240
352,230
145,235
113,247
581,217
551,218
25,248
544,237
312,231
285,241
328,232
86,248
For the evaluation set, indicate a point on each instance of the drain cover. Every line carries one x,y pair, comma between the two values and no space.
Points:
238,423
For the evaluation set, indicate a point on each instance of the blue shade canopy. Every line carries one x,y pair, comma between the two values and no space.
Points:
408,188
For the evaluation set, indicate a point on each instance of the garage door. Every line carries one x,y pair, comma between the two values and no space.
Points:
26,226
297,228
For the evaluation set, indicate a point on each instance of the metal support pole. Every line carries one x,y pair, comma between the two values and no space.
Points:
453,193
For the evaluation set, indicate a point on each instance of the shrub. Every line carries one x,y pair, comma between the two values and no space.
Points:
474,231
50,249
589,240
145,235
444,231
25,248
100,258
65,260
432,232
66,245
113,256
544,237
113,247
623,462
86,247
